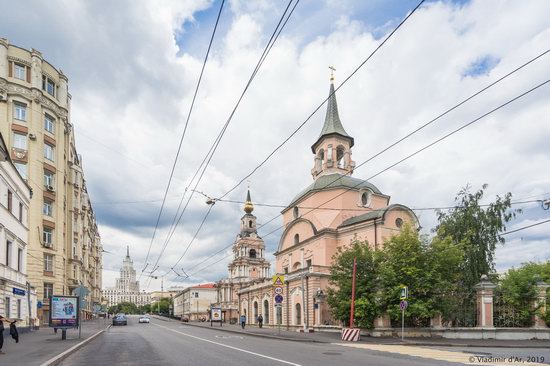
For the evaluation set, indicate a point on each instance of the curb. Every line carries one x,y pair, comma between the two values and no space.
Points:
60,357
469,345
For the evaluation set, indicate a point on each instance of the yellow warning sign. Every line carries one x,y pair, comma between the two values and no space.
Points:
278,280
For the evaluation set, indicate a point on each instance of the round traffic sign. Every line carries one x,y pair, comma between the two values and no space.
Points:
278,290
278,299
403,305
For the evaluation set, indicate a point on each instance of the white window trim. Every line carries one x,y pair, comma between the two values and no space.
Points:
17,106
16,68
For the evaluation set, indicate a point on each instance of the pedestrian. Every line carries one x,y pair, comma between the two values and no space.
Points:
260,321
243,321
2,320
13,331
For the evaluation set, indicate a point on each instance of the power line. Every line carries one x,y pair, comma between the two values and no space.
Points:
210,154
183,134
525,227
323,102
420,150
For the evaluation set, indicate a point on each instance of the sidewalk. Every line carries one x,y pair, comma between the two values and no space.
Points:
333,337
36,347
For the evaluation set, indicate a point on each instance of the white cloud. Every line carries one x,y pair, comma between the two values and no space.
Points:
132,85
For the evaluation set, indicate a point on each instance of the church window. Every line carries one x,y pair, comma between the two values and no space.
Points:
296,212
320,160
252,253
365,199
296,239
329,153
399,222
340,156
250,223
308,263
285,270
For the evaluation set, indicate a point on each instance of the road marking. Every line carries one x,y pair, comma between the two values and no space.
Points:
227,346
436,354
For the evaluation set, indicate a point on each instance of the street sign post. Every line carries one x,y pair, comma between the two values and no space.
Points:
81,292
403,296
278,289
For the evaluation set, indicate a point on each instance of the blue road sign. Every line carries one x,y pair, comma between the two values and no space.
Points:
278,299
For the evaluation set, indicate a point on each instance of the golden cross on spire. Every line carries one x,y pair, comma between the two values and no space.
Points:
332,69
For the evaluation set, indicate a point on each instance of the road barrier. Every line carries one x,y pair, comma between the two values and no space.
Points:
350,334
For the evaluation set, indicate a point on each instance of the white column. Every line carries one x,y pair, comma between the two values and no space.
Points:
3,58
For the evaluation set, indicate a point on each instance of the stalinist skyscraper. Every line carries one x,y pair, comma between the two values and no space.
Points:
126,288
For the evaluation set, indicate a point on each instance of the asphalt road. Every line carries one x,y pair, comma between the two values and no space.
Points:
164,342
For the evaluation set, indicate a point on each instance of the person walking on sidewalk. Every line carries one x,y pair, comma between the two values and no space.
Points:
260,321
243,321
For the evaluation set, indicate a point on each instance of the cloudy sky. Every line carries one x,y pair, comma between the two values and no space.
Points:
133,66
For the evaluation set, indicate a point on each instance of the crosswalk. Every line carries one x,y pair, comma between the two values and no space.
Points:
443,355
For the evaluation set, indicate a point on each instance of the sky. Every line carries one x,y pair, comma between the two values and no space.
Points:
133,67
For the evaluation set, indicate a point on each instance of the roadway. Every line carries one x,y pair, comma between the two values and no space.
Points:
167,342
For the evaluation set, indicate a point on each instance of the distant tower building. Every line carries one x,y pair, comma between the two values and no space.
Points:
249,265
126,288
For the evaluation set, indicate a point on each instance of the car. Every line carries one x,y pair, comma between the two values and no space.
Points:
120,319
185,319
144,319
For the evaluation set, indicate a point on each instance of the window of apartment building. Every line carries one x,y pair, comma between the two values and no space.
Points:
49,123
48,262
20,141
47,236
20,212
48,290
8,253
48,85
7,306
20,111
21,168
20,259
47,208
49,179
10,200
19,71
49,152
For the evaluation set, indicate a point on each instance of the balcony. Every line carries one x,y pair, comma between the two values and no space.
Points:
11,274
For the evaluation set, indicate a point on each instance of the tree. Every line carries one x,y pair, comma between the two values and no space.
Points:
145,309
162,306
339,295
428,269
124,307
476,228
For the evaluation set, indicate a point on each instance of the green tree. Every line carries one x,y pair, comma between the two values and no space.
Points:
162,306
145,309
428,269
476,228
339,295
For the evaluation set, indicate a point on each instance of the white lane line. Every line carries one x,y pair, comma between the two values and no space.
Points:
227,346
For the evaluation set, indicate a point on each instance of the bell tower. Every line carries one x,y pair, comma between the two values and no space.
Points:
333,147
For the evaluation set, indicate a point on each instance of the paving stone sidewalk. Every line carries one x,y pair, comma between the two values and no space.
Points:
38,346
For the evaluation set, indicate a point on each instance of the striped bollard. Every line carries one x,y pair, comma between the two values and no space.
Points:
350,334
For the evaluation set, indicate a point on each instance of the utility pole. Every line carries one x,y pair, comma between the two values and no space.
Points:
161,293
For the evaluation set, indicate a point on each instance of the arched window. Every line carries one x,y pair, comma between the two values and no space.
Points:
266,312
340,157
399,222
298,317
296,212
296,239
252,253
250,224
320,160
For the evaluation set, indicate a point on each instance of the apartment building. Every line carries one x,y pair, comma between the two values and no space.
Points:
64,247
194,302
18,298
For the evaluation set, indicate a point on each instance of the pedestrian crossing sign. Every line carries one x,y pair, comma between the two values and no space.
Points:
278,280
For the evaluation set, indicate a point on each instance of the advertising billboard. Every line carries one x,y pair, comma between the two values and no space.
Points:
64,311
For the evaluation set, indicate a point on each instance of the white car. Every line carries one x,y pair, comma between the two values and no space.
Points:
144,319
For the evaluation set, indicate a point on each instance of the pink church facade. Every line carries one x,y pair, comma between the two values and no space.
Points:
331,212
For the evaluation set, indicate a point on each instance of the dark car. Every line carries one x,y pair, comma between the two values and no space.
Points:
120,319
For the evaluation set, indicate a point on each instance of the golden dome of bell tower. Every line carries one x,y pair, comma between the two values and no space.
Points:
248,205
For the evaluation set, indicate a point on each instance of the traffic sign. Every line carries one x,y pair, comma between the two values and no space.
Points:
278,290
278,280
404,294
403,305
278,299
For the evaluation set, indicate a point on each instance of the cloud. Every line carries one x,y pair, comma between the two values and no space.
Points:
132,71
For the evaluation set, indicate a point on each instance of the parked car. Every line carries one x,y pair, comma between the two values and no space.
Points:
144,319
120,319
184,319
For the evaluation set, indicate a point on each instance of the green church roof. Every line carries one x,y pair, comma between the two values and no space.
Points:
332,125
334,181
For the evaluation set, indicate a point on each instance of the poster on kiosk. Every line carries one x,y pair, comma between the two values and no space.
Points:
64,311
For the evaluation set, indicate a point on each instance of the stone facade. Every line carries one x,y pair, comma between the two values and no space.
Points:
248,266
18,299
126,286
64,248
334,210
194,302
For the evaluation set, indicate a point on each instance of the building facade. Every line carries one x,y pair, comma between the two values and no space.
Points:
248,266
64,247
18,299
195,302
126,286
331,212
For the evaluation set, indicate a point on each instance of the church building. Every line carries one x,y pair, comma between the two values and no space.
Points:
331,212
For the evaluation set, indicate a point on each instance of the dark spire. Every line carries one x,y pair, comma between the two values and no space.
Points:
248,205
127,251
332,125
